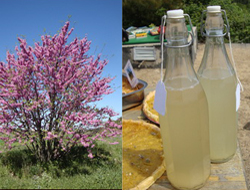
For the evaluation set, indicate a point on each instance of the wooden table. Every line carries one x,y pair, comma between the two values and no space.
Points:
226,176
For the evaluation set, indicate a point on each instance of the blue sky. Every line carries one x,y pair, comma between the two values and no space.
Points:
100,20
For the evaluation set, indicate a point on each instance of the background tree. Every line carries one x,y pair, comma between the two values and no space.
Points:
48,96
143,13
239,19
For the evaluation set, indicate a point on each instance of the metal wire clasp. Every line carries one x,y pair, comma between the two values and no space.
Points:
217,35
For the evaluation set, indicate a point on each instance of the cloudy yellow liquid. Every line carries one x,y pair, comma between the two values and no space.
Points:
221,99
185,134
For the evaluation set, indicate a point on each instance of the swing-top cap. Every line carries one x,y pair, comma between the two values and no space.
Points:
214,9
175,13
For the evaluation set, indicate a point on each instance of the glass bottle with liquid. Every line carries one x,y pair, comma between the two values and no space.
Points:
219,82
184,127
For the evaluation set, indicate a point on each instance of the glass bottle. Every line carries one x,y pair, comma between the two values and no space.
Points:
184,127
219,82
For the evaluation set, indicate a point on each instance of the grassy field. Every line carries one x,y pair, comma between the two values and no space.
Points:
19,169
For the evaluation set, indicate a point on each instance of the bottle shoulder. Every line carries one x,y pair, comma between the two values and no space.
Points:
215,60
216,73
181,83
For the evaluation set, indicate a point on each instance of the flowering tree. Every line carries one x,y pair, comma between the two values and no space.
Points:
48,94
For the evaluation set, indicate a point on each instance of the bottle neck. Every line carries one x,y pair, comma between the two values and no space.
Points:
178,60
215,41
176,32
214,24
215,57
214,28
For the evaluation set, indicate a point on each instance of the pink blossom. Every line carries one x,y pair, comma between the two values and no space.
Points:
90,155
85,144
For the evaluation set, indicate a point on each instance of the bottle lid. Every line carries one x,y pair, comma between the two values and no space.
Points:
175,13
214,9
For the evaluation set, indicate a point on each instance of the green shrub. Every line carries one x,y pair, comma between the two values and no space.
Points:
140,13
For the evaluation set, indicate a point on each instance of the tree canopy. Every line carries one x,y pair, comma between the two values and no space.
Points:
48,97
142,13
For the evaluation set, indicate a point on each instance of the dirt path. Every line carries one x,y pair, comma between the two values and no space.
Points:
241,54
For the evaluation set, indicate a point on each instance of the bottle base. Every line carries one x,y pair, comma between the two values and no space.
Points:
219,161
192,188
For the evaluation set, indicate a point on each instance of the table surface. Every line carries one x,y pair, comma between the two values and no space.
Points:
226,176
148,39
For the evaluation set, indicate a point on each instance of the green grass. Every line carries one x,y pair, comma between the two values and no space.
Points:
20,169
